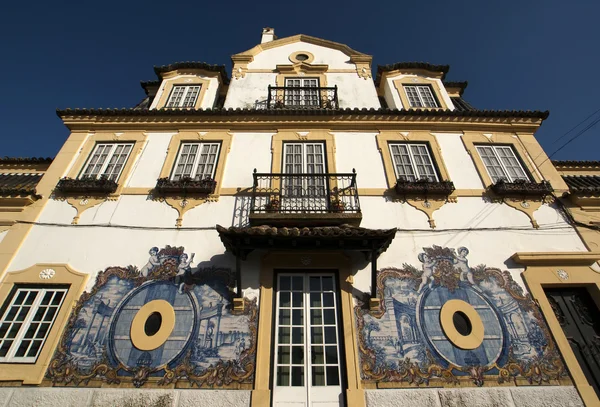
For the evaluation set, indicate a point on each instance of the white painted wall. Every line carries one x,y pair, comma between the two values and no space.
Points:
353,91
269,58
146,170
458,162
3,235
244,93
248,151
359,151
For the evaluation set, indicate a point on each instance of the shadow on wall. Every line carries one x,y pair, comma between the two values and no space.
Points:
241,210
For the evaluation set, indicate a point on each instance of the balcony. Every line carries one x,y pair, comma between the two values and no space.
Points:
185,186
522,188
304,200
424,187
86,186
301,97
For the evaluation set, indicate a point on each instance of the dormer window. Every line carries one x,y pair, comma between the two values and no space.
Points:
183,96
420,96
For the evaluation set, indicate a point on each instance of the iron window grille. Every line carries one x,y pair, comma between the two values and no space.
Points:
420,96
183,96
304,193
302,94
26,322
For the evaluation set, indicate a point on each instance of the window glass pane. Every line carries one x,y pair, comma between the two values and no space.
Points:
331,354
284,317
512,165
426,96
283,355
491,162
317,355
423,163
318,376
297,355
283,376
413,96
402,163
297,376
284,335
332,376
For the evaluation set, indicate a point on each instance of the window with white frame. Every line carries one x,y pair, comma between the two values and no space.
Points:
304,158
197,161
502,163
420,96
305,95
184,96
107,161
26,322
412,162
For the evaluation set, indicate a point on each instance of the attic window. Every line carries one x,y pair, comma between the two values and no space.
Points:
301,57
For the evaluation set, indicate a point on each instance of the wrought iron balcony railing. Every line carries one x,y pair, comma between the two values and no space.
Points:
308,196
302,97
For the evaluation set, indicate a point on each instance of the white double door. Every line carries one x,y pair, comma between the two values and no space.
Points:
307,352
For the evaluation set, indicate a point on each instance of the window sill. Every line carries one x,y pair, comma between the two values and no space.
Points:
424,187
521,188
186,186
87,186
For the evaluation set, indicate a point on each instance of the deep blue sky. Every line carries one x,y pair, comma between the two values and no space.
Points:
525,54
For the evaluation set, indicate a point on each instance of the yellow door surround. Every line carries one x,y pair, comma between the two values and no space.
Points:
306,261
562,269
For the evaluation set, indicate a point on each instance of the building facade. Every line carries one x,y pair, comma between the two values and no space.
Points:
304,232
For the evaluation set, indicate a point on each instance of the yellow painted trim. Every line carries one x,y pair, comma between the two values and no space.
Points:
185,77
137,138
354,394
294,57
222,137
540,275
556,258
419,80
471,140
33,373
303,71
475,338
137,333
17,234
384,139
252,52
283,136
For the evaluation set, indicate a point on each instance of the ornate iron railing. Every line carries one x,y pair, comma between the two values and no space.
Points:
185,185
100,186
304,193
302,97
522,188
424,187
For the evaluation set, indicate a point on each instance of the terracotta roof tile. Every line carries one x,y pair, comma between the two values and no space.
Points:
14,184
583,185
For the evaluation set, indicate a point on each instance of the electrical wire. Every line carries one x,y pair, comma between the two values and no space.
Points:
581,132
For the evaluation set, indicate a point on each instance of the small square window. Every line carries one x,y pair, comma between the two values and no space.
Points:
413,162
501,162
197,161
26,322
420,96
107,161
183,96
